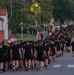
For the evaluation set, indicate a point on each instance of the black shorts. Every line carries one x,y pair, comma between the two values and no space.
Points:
1,60
28,57
8,59
72,49
32,57
40,58
15,58
58,48
62,48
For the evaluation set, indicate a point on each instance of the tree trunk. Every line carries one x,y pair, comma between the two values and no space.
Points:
60,21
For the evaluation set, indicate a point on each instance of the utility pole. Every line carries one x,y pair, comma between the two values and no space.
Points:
21,24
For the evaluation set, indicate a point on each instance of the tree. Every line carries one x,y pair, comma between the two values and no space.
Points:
72,8
46,11
61,10
15,19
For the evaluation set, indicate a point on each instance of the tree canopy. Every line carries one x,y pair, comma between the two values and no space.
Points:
27,12
61,10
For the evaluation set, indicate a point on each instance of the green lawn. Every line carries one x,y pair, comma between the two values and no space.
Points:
26,37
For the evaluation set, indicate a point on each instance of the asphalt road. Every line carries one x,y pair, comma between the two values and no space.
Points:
63,65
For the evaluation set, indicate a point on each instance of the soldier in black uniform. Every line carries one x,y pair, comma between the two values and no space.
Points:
58,43
15,55
40,53
46,50
2,53
5,56
52,47
72,44
27,55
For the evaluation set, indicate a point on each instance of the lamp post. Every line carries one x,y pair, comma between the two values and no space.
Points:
21,24
45,25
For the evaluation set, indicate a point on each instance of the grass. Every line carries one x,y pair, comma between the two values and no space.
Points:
26,37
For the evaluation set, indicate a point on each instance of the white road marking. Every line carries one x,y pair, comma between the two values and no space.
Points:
57,66
70,66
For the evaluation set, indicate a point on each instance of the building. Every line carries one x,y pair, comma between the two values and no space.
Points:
3,24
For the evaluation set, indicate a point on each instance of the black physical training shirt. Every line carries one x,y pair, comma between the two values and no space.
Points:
2,52
27,49
40,50
15,49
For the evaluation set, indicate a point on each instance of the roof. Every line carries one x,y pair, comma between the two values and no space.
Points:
1,19
3,12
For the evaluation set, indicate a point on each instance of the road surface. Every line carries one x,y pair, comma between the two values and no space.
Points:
63,65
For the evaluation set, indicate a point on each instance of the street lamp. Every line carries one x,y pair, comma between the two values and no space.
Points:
21,24
45,25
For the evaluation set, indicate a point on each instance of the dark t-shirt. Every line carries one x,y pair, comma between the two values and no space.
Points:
5,48
40,50
27,49
8,52
58,43
52,46
62,42
20,45
2,52
68,42
15,49
46,48
33,48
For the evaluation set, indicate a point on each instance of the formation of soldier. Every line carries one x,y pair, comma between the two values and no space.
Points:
30,55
